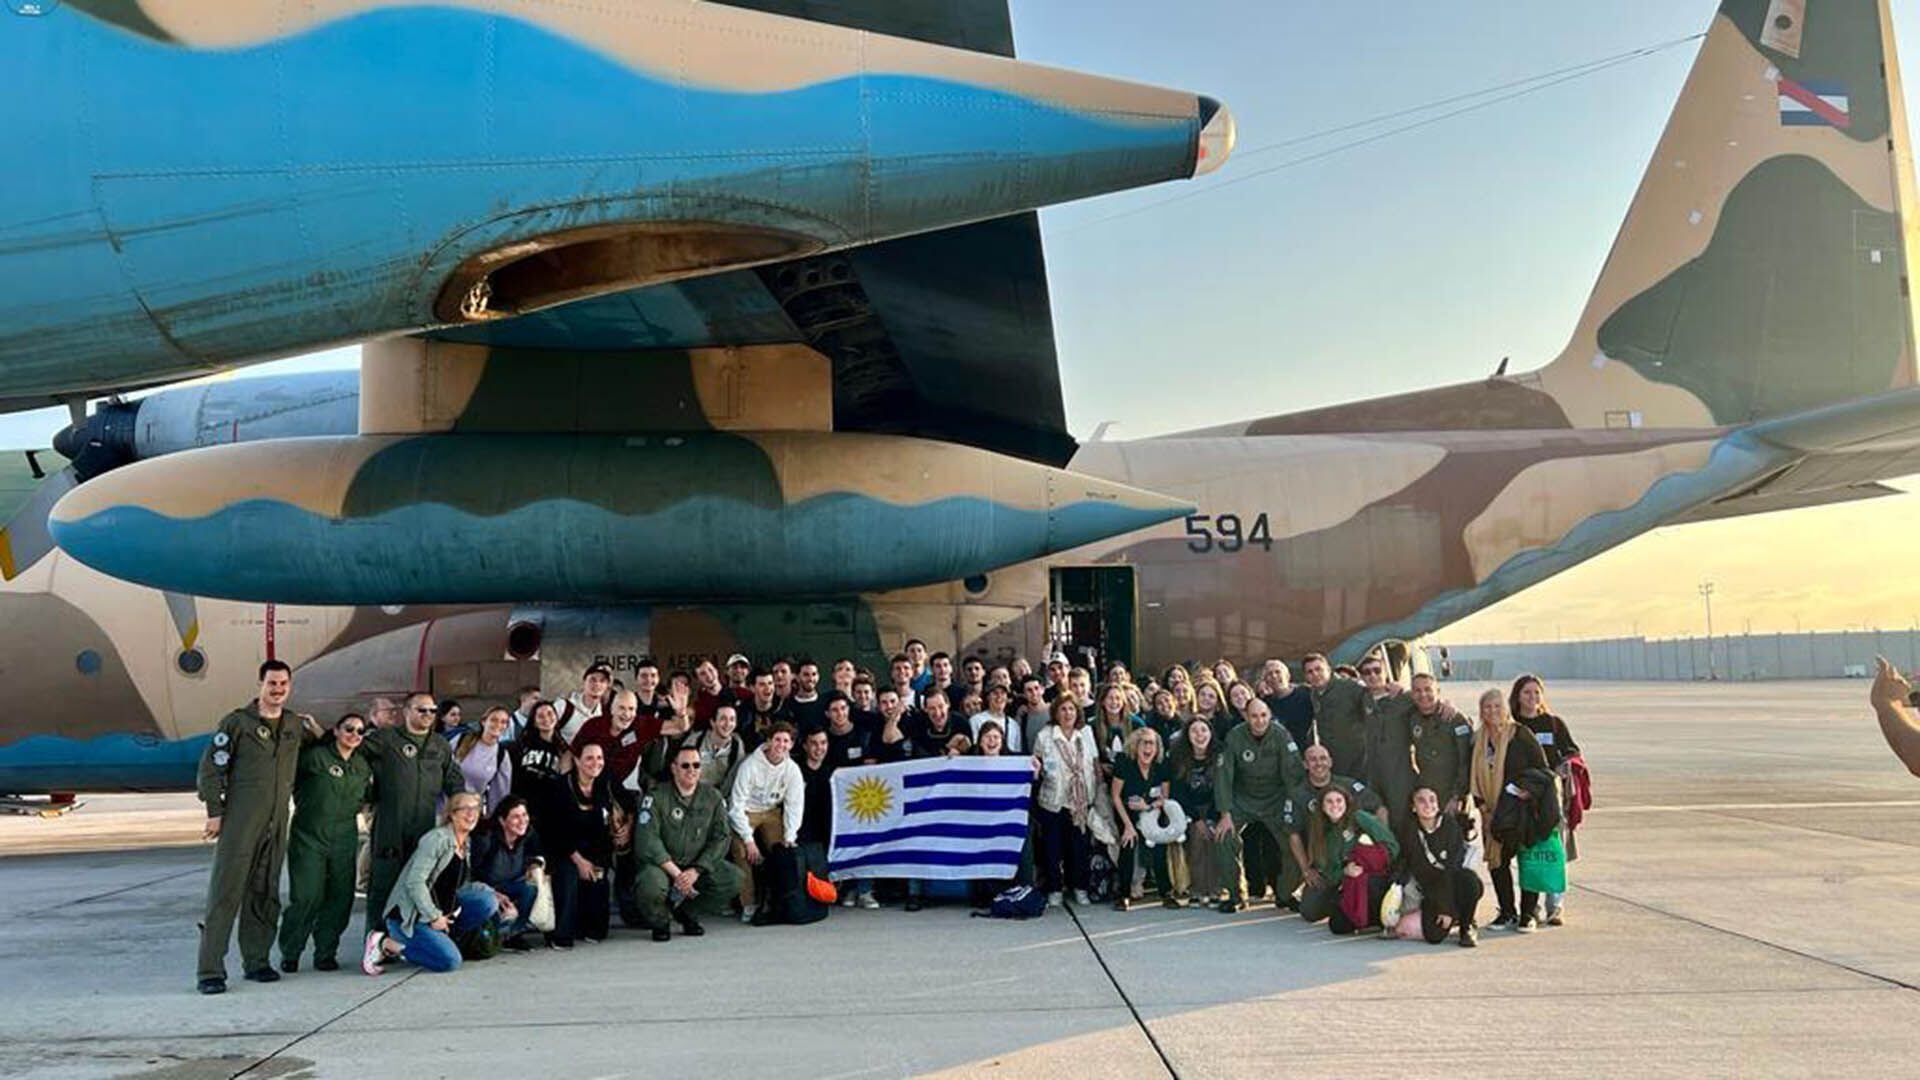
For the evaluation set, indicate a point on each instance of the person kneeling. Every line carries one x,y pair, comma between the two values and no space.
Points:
1348,854
434,904
681,842
1433,857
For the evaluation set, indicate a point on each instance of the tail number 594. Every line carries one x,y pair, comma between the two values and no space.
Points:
1226,533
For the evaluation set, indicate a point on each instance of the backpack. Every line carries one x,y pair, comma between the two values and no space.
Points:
789,900
1019,902
482,942
1100,875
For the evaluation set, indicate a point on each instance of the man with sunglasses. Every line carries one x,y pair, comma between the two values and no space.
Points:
413,768
245,780
328,788
681,841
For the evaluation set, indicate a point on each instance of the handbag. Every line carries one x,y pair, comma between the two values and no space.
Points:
541,917
1543,867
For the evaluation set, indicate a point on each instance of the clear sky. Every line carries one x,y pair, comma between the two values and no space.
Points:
1418,260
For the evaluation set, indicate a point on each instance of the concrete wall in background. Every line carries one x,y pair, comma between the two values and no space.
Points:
1734,656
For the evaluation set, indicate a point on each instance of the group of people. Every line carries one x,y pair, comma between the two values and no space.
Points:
1346,798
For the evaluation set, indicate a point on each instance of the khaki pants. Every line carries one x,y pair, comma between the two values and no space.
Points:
768,828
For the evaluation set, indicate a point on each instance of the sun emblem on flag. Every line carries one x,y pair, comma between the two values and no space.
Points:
869,798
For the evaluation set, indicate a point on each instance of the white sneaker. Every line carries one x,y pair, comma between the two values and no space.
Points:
375,954
1054,899
869,901
1080,898
747,912
848,900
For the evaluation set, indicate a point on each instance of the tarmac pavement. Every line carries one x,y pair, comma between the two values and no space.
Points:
1743,906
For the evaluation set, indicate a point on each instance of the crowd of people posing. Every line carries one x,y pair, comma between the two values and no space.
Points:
1346,798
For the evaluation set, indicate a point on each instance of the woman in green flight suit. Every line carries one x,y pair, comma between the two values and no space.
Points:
328,790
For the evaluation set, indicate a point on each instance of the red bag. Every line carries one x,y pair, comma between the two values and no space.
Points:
1358,902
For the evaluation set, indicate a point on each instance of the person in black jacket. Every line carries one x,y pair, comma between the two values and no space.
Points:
581,836
1528,702
506,852
1503,749
1433,856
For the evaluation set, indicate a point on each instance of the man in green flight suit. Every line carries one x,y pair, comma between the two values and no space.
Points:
413,768
328,789
245,780
1339,716
681,844
1259,765
1390,714
1442,746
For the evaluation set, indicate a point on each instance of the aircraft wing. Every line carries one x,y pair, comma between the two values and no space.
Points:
946,335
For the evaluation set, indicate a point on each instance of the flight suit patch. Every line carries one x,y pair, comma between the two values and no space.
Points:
678,813
1246,755
336,771
220,758
1463,729
1418,731
409,749
220,738
263,732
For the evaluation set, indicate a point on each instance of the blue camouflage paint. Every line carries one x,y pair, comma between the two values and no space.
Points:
282,195
706,547
47,763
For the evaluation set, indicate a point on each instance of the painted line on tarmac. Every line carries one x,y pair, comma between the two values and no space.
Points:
1788,949
1708,808
1208,928
1138,1020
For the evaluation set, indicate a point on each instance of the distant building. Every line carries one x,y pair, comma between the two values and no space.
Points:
1744,657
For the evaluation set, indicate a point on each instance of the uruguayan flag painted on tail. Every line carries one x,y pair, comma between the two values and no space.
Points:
1813,104
949,818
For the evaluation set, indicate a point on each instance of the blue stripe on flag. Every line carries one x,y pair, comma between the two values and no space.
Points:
1802,118
942,804
981,859
951,830
967,776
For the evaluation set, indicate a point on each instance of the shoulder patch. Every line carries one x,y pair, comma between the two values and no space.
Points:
1463,729
221,738
646,803
220,758
1358,786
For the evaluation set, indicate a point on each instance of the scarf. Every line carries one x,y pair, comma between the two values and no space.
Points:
1489,769
1075,758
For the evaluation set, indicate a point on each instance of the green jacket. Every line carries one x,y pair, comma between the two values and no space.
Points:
1255,776
413,895
1443,752
1340,723
1333,860
410,775
687,831
328,791
246,771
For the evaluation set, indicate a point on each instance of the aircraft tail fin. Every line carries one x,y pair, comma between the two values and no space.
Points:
1763,265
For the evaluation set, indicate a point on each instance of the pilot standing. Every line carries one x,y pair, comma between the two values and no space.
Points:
246,782
1442,745
413,767
1259,766
329,788
1339,716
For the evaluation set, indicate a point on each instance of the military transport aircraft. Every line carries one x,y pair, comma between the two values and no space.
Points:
836,449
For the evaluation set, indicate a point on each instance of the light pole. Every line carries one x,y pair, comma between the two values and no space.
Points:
1706,594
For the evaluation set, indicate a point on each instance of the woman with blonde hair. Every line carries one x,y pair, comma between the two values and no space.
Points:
1503,748
434,902
1139,786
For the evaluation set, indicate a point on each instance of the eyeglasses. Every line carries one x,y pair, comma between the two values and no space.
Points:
353,729
468,809
425,710
687,766
1369,670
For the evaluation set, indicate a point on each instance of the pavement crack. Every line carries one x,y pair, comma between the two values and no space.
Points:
64,904
1138,1020
1776,946
327,1023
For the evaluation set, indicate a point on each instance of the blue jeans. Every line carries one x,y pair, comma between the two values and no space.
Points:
521,892
434,950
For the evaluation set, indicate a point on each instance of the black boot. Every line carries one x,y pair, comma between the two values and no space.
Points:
689,926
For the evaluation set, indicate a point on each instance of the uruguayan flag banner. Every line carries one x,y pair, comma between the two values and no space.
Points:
946,818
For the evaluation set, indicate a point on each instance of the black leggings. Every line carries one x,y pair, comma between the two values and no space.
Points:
579,907
1502,876
1465,902
1061,843
1338,922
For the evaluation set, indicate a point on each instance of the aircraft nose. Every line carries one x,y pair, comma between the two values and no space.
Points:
1216,136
